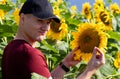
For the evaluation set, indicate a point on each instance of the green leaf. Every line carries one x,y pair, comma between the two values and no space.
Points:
114,35
118,70
118,20
73,21
62,46
1,52
37,44
4,34
82,67
109,1
7,28
22,1
48,46
98,75
37,76
5,7
107,69
114,23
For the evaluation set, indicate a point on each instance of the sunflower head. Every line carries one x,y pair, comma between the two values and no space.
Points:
57,31
99,4
73,8
117,63
2,14
16,15
56,11
3,2
104,17
86,10
117,60
87,37
55,27
115,8
73,11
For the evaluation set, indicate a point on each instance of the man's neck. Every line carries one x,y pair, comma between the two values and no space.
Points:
19,36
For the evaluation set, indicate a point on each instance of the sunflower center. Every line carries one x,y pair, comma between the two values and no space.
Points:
107,23
88,40
87,11
55,27
99,4
103,16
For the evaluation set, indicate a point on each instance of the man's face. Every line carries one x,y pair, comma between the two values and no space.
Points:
35,29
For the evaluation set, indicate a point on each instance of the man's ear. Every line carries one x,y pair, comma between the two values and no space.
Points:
22,15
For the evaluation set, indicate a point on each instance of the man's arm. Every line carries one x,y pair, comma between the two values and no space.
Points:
58,73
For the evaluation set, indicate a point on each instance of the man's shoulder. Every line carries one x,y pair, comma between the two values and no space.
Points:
22,47
18,46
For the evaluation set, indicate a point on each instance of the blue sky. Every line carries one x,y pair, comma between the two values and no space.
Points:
79,3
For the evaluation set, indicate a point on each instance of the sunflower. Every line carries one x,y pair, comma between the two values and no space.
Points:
99,4
117,63
87,37
3,2
56,8
2,14
73,8
57,31
96,7
73,11
117,60
115,8
16,15
57,2
102,16
56,11
86,7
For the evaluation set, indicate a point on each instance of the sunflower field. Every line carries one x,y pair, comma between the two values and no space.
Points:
95,25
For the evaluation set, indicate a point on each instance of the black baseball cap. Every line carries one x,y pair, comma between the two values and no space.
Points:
39,8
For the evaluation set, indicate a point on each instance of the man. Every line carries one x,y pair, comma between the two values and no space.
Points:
21,59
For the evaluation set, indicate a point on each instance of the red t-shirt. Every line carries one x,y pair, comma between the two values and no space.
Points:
20,59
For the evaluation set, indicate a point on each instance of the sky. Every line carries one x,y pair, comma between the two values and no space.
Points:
79,3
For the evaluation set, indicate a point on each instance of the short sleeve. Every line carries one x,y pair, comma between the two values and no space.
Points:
37,63
32,60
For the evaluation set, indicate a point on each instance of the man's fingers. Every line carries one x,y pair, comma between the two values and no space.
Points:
99,53
94,52
100,56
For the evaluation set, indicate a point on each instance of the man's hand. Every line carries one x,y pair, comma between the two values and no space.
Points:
95,63
97,59
68,61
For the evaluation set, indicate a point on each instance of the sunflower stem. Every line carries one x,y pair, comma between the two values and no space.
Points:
68,39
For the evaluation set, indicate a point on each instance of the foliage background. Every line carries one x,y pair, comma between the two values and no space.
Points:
55,51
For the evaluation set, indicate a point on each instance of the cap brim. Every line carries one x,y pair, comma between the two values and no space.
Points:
55,18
